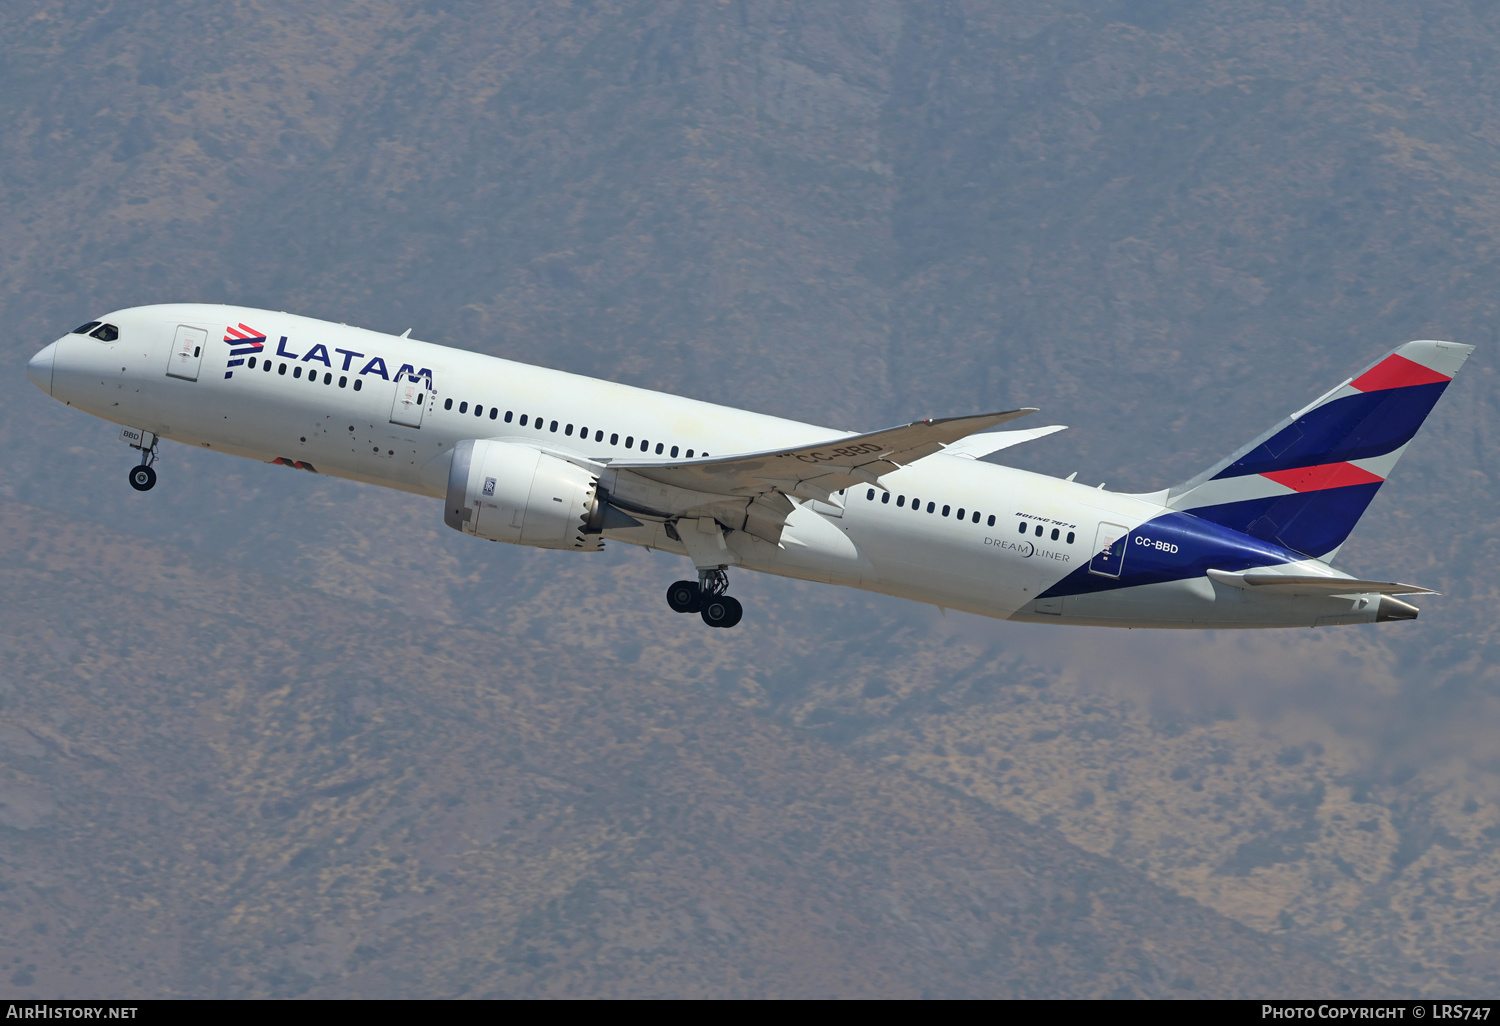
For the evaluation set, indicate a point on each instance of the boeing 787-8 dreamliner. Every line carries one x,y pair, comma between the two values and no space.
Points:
540,457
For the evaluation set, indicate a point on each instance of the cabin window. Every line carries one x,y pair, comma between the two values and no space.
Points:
267,365
554,427
523,420
1022,526
494,410
630,441
1054,534
252,363
960,513
598,436
991,521
358,383
885,497
614,439
509,415
900,501
931,506
568,430
540,423
343,380
464,408
296,372
281,369
328,380
478,411
870,495
947,510
1070,537
1038,530
447,404
658,448
645,445
976,517
674,452
704,455
690,454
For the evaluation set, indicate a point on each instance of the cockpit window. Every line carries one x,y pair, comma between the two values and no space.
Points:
84,329
105,333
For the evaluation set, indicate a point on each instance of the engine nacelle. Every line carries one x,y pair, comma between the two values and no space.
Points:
514,493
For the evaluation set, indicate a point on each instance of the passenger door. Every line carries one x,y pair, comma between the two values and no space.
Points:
410,401
187,353
1109,550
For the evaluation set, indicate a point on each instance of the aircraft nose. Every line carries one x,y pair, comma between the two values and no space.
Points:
39,368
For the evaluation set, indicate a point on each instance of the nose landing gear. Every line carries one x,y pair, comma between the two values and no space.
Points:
706,598
142,477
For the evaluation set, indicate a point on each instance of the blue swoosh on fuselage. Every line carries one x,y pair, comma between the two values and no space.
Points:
1200,546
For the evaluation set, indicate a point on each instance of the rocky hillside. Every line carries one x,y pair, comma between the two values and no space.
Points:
1166,224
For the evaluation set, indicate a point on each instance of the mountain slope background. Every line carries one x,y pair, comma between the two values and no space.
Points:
1165,224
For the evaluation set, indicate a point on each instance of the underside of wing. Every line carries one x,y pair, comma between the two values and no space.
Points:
816,471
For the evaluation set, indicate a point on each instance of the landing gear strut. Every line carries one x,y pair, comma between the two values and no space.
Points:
706,598
143,477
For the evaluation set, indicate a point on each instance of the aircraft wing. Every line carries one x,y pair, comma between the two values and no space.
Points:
977,446
762,481
816,471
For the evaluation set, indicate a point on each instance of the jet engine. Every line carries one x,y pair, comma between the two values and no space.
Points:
514,493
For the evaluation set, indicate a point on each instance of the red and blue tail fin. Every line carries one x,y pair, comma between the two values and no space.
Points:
1306,482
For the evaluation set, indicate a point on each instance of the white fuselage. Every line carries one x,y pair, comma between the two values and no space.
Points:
322,395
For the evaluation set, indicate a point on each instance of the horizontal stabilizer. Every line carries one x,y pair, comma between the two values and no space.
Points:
1288,585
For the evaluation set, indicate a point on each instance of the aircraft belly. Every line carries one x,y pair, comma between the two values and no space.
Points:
948,567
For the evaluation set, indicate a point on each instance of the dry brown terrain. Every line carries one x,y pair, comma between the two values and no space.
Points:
1166,224
215,784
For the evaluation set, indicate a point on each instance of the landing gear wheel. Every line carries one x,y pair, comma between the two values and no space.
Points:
685,597
721,611
142,479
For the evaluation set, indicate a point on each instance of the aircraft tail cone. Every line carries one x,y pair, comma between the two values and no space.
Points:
1394,609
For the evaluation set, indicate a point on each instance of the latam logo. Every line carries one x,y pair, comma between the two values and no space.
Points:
243,341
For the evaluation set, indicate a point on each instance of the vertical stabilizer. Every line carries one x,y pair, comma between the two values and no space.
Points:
1306,482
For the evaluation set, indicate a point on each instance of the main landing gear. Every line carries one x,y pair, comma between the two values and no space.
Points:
706,598
142,477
